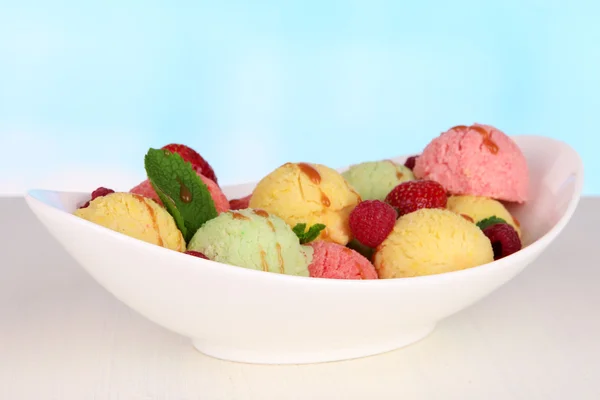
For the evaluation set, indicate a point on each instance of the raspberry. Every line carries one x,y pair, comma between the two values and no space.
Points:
371,222
410,162
240,204
413,195
196,254
190,155
101,191
505,240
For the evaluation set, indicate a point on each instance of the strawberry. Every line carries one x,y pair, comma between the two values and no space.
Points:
190,155
413,195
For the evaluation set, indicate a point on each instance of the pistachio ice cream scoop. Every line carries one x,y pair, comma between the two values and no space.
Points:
255,239
373,180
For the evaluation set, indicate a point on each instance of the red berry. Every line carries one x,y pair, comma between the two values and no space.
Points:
410,162
190,155
196,254
240,204
101,191
413,195
505,240
371,222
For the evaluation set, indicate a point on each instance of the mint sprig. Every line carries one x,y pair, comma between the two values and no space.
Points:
487,222
180,189
360,248
310,235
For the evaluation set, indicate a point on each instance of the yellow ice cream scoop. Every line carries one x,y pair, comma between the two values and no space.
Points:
431,241
311,194
479,208
134,216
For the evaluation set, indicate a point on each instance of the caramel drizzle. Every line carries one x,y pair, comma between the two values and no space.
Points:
264,214
280,257
142,200
240,216
399,175
358,198
459,128
310,172
467,217
517,223
185,193
261,213
487,140
263,259
315,178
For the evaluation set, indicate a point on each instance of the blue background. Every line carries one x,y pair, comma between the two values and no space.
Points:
85,89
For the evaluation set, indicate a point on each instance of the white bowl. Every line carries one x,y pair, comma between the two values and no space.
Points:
252,316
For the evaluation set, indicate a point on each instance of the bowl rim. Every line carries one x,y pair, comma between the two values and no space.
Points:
32,200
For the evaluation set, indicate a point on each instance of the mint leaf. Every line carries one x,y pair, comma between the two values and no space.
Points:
487,222
172,209
357,246
299,230
312,234
181,190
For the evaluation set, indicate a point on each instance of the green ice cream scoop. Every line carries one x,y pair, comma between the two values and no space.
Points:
373,180
253,239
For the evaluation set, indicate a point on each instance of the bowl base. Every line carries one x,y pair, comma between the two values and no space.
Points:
263,356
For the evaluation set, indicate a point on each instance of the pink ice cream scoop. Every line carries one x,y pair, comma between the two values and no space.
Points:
477,160
332,260
221,203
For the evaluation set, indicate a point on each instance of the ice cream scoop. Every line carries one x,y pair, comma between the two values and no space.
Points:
373,180
431,241
311,194
255,239
332,260
477,160
135,216
477,208
221,203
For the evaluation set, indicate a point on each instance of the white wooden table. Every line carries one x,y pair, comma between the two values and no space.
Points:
63,337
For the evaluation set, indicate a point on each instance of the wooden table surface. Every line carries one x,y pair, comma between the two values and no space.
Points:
64,337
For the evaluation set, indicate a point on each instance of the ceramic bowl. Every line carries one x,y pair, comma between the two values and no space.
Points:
252,316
